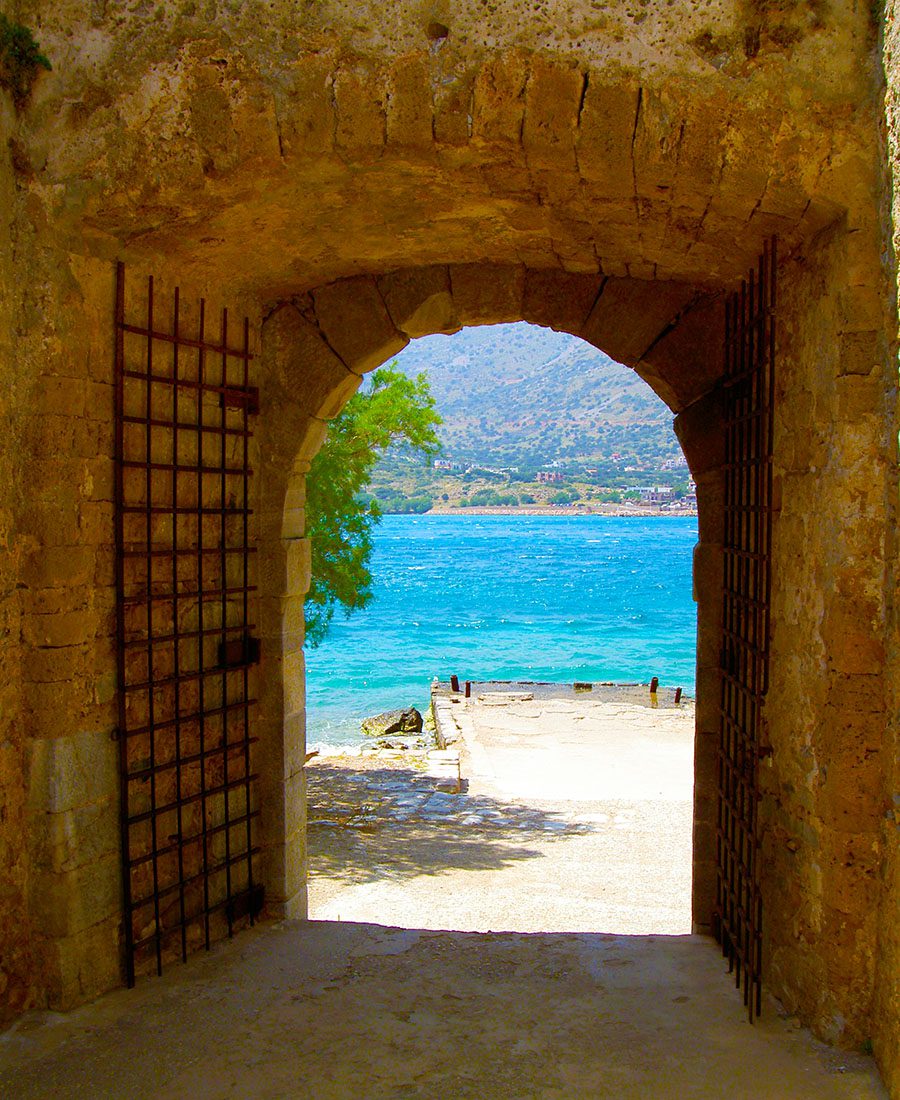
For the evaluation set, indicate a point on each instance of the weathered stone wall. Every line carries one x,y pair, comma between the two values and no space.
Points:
18,986
886,1005
652,140
68,683
826,714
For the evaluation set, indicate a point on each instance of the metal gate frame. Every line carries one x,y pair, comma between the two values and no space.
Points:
749,390
185,650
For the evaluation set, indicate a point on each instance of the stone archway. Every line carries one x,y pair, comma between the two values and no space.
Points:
291,161
315,352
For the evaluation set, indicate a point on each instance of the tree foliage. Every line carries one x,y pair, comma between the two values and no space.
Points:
339,520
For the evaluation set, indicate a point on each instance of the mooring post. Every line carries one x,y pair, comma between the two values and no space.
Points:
654,684
677,696
468,689
454,683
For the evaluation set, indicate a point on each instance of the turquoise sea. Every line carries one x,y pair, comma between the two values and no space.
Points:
556,598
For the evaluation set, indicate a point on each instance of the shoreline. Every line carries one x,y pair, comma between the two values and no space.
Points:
615,510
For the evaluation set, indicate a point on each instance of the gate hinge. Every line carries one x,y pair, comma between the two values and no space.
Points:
248,903
241,397
237,652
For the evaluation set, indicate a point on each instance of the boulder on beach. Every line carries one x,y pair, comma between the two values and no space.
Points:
407,720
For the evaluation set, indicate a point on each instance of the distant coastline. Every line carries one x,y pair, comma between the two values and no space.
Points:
560,510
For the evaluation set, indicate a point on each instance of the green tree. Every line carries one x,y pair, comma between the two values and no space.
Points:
339,517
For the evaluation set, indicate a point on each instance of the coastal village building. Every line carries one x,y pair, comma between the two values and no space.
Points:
347,178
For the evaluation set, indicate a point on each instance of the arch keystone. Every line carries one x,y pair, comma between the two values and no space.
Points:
559,300
487,294
419,300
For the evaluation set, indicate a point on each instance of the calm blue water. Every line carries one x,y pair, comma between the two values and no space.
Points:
554,598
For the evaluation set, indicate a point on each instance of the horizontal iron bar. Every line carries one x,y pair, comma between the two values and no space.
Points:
187,677
137,601
208,712
192,839
188,551
233,785
186,468
181,426
158,510
188,635
185,342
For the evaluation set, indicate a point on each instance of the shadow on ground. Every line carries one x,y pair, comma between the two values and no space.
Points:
366,823
352,1011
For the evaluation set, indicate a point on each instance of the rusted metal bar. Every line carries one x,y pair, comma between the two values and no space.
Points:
246,410
746,594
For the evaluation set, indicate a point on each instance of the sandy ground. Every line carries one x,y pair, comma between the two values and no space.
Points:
364,1010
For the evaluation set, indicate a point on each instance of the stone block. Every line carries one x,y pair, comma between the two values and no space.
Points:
419,300
605,131
64,842
82,966
487,294
860,352
59,567
306,367
292,614
700,431
293,668
853,638
630,316
688,358
552,100
69,628
656,143
56,665
297,566
452,107
409,111
499,100
305,108
64,396
356,323
359,97
559,300
71,771
64,903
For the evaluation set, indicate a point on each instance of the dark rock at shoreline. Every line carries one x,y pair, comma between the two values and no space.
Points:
407,720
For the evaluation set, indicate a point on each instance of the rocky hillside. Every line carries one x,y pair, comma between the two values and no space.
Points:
519,394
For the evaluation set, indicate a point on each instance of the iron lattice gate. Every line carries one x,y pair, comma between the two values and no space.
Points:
184,565
749,378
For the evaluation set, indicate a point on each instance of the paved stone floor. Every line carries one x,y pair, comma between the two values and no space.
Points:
326,1010
402,1005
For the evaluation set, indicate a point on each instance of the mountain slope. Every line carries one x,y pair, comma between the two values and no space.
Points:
516,393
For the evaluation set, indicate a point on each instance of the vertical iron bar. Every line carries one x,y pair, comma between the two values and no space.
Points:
201,661
223,566
176,624
245,422
151,702
120,617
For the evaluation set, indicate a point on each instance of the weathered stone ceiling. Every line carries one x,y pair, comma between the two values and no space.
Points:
278,145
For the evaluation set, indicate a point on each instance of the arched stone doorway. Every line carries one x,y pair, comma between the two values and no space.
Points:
318,352
320,173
